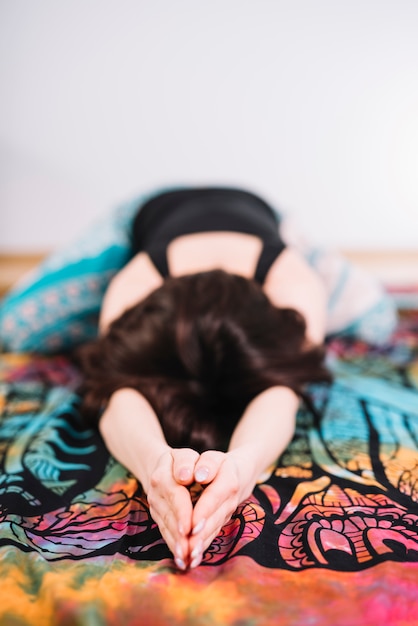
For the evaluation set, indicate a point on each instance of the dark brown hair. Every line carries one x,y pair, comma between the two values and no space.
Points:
200,348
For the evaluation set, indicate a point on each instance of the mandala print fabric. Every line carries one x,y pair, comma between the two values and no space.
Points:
339,511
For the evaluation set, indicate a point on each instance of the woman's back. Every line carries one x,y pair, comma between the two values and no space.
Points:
199,229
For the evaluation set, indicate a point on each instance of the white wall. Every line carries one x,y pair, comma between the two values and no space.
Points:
312,103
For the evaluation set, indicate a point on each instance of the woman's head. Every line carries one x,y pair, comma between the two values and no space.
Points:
200,348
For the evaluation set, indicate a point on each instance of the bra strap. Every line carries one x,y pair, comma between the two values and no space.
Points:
269,254
158,256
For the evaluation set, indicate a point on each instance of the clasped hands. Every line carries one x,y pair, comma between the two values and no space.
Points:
189,530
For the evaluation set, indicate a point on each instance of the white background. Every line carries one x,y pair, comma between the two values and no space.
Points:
312,103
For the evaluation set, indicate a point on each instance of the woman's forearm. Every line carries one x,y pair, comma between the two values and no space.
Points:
133,434
263,433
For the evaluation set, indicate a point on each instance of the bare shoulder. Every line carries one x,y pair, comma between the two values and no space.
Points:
291,272
140,266
292,283
130,285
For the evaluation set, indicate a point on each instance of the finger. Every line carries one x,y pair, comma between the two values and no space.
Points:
178,548
224,488
207,466
199,544
184,461
181,507
171,506
214,508
170,514
175,510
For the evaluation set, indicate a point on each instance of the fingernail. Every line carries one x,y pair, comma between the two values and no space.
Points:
185,474
199,527
180,563
197,551
196,562
179,551
201,474
181,529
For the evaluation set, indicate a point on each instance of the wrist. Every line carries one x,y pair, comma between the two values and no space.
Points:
245,462
123,424
146,464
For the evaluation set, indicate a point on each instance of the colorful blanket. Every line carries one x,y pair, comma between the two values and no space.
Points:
329,535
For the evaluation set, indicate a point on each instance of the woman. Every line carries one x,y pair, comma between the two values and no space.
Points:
207,337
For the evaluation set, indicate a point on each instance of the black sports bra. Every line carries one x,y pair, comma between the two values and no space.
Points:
186,211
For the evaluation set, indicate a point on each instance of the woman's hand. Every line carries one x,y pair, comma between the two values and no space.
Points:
230,480
189,531
170,501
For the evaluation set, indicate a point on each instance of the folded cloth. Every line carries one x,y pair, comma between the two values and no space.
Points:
57,306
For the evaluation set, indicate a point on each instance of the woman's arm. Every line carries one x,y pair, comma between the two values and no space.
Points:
133,435
266,429
131,285
262,434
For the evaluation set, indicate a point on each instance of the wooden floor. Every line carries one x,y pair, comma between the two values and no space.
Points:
391,267
394,267
14,266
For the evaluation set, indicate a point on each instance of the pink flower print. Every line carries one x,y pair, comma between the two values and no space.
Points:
72,290
52,298
29,309
9,324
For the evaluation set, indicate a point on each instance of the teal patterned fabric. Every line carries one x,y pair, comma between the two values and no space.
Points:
58,307
376,325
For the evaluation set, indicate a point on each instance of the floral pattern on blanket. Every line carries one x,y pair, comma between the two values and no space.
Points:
344,496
